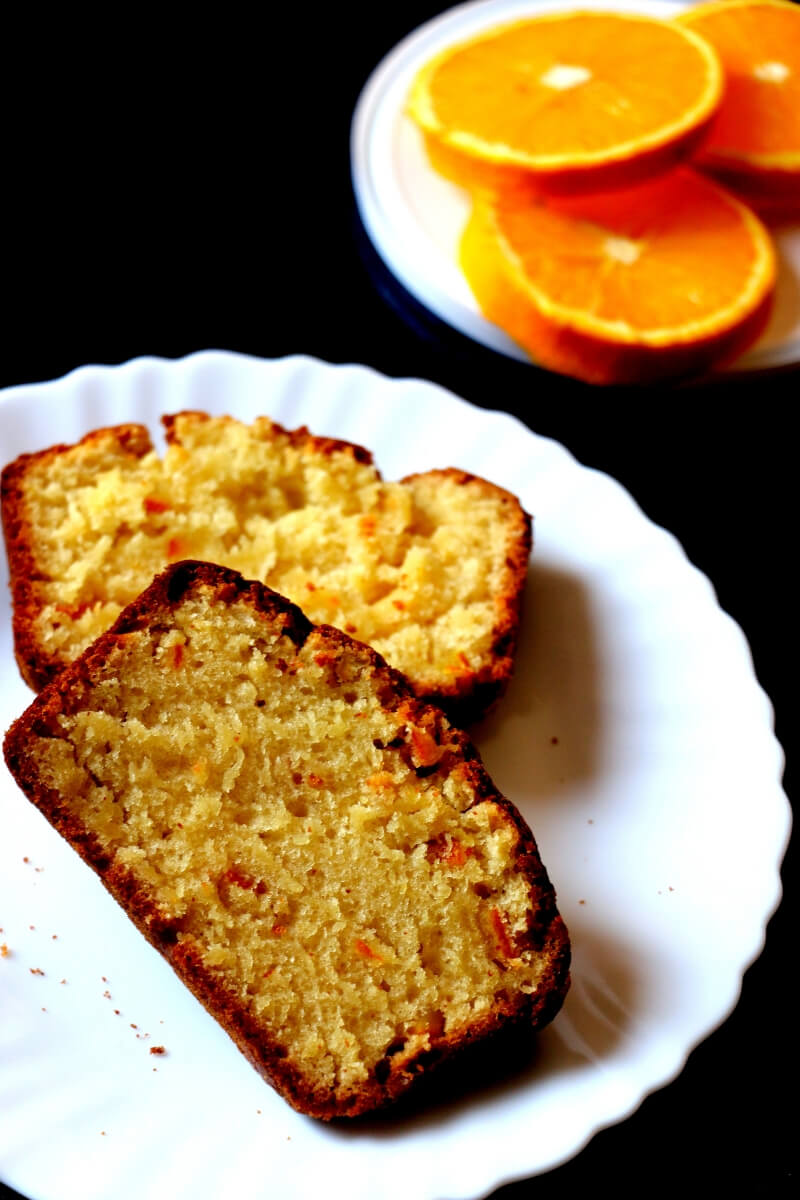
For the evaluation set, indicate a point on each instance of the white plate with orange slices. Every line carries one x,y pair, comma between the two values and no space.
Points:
416,215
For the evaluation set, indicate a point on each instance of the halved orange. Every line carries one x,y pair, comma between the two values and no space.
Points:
583,100
754,144
654,282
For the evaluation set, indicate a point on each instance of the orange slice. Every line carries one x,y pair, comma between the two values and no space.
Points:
755,141
653,282
583,100
475,174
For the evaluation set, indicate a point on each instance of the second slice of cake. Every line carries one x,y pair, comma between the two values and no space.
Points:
429,571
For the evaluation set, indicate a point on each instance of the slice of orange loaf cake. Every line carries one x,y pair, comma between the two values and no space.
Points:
429,571
321,856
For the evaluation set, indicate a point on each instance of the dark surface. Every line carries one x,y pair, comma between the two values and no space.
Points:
169,192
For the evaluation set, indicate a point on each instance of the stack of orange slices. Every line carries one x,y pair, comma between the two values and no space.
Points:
593,241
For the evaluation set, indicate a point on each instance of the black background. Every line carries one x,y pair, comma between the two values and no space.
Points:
170,189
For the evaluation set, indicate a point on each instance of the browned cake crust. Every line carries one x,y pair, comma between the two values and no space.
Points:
36,666
426,748
465,686
467,696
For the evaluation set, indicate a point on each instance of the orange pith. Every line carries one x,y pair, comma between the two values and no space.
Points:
755,139
581,99
652,282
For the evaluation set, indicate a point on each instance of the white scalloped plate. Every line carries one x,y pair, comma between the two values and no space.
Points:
414,217
634,738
